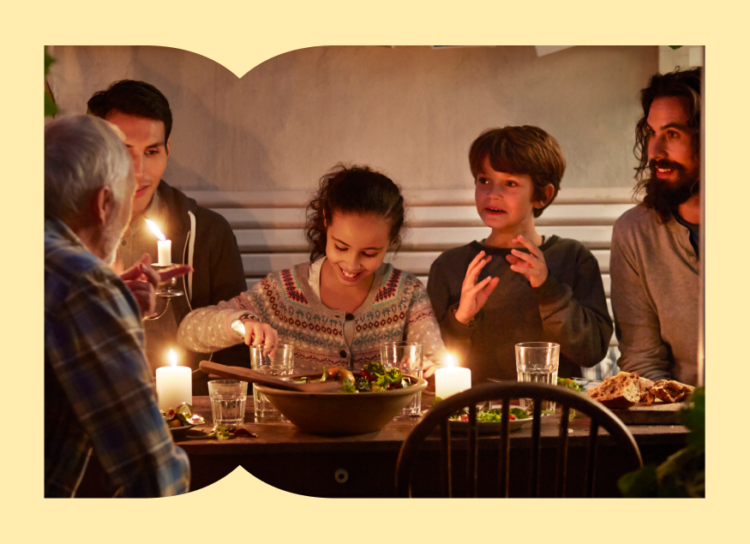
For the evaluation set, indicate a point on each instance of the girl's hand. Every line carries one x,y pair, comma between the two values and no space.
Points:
532,264
473,294
261,334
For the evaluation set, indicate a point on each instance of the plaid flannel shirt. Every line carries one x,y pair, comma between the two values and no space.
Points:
99,397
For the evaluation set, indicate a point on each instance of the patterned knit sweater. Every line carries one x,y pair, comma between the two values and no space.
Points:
397,308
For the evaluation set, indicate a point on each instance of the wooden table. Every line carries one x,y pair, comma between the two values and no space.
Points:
364,465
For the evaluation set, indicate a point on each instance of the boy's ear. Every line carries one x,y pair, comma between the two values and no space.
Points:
549,192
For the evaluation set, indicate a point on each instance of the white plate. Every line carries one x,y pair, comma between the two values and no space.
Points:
179,431
492,427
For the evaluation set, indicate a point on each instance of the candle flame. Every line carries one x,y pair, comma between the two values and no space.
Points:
450,361
156,230
172,356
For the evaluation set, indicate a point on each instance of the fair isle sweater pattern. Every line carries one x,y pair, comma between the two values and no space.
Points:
398,310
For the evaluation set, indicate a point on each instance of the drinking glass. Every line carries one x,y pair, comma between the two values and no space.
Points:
407,357
282,364
228,402
537,362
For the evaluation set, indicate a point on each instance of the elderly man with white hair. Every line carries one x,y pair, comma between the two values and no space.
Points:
100,409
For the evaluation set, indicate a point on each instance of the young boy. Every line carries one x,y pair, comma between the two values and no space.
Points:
516,285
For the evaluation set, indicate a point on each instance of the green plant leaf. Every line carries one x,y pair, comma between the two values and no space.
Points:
674,47
50,108
639,483
48,61
694,418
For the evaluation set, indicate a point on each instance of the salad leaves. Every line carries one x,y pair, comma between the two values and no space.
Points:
182,416
570,384
376,378
494,415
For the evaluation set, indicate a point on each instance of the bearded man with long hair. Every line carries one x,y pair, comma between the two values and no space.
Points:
654,262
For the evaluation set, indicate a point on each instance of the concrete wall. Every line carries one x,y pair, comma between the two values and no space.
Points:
410,111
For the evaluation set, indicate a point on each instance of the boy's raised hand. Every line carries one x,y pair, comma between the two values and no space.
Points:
532,264
473,294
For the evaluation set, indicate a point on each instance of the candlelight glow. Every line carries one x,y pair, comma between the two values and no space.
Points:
172,356
451,378
156,230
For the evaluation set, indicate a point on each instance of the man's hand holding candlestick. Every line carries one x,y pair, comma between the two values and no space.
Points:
142,280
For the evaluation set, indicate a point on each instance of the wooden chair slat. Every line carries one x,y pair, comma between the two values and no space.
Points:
536,449
600,416
591,458
472,453
445,459
562,453
504,465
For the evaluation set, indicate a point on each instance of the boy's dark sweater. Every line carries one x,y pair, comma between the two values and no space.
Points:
569,308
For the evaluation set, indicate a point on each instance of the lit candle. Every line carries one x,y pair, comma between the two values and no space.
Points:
451,379
174,384
164,245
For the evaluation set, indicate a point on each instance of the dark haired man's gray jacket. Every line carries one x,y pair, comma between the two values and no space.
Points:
203,239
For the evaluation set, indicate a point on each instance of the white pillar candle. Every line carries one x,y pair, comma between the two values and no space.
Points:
451,379
164,245
165,252
174,385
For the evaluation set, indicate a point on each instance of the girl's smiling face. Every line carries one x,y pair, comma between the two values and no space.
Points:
356,246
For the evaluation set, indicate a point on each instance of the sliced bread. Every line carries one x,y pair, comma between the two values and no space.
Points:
621,391
671,390
647,397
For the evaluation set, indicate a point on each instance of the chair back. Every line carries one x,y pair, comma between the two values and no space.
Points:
566,400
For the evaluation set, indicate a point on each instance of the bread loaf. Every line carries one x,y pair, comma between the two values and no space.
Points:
621,391
647,397
671,390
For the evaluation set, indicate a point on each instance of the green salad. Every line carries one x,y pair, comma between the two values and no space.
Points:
373,378
570,384
494,415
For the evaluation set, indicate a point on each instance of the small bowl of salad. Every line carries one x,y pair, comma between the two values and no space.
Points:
490,419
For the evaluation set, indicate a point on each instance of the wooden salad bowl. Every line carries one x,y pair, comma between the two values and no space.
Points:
338,414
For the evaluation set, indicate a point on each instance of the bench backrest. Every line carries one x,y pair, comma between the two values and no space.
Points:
269,226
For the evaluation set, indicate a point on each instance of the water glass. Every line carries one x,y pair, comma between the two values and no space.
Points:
537,362
228,402
277,365
407,357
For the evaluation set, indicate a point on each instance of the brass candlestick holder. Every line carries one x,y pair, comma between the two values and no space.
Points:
165,290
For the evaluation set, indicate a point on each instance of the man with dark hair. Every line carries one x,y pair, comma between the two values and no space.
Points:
103,432
655,246
200,237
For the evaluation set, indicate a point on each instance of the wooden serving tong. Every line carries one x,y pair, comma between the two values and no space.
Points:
248,375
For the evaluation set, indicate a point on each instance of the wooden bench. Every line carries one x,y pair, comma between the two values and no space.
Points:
269,227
